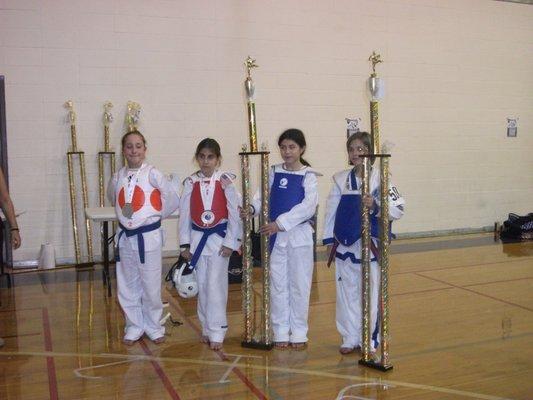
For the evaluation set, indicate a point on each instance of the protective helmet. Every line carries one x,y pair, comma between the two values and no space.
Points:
184,278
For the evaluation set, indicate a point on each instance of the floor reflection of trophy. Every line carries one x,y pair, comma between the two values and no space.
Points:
254,337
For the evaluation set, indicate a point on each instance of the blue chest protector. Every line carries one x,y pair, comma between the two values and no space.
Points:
347,228
287,191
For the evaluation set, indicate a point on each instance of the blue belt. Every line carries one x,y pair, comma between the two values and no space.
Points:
219,229
352,257
140,239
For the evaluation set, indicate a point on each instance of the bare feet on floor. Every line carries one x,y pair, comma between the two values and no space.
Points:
281,345
346,350
299,345
128,342
159,340
204,339
215,345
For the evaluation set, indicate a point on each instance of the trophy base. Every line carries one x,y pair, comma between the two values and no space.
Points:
375,365
87,264
257,345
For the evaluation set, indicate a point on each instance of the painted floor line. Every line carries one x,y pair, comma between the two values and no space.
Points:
319,374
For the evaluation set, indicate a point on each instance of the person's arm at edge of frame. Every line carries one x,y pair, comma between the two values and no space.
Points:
9,212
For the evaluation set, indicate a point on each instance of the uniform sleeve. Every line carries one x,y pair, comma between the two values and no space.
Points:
303,211
396,202
184,225
112,188
332,204
169,197
233,232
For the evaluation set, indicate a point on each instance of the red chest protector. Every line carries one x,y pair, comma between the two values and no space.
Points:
219,206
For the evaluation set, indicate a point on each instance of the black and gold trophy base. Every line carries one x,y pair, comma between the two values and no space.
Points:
257,345
375,365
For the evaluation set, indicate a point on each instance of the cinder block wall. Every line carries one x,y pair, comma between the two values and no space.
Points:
454,71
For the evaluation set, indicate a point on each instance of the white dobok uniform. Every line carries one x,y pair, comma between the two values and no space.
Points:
293,202
342,226
209,219
151,197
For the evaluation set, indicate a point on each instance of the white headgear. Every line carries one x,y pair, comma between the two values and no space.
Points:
186,285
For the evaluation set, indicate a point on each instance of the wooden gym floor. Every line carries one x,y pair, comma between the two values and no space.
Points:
461,326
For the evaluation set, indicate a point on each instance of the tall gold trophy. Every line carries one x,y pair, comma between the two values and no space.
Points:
72,188
254,337
374,85
381,361
105,154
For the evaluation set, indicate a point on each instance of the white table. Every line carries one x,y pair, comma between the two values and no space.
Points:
106,215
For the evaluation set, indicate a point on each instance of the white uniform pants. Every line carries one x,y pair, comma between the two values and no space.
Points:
212,277
349,298
291,273
139,290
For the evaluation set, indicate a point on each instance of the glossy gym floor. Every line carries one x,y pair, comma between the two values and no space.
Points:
461,328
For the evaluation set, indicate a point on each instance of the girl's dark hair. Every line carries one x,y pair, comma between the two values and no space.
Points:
133,132
298,137
210,144
363,137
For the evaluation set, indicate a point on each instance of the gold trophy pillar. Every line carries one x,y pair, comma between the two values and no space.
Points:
369,359
374,84
108,154
251,337
381,252
72,189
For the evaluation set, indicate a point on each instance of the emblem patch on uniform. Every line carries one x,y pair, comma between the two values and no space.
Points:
283,182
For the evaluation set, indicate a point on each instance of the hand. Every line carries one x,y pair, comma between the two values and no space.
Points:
368,201
269,229
186,254
225,251
16,241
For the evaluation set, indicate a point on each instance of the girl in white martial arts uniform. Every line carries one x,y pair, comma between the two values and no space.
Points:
209,229
342,234
143,196
293,202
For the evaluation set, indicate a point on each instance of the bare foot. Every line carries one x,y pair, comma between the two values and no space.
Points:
204,339
215,345
346,350
281,345
159,340
128,342
299,345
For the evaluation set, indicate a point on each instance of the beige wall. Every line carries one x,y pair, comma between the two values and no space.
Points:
454,71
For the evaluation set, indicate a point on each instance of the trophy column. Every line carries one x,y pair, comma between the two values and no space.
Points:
255,337
381,361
